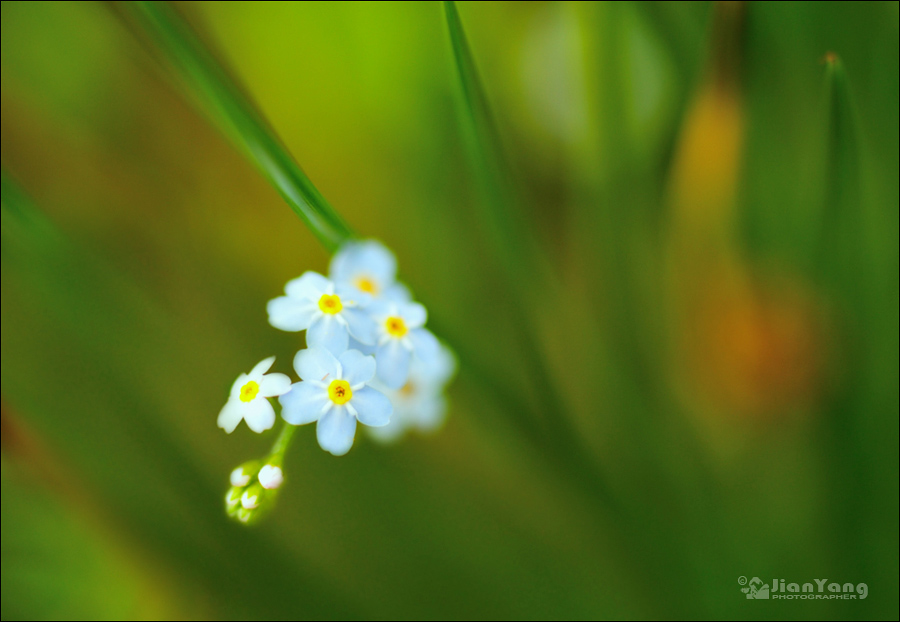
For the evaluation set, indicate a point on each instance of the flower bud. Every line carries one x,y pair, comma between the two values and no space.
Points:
252,497
233,497
270,477
243,475
244,515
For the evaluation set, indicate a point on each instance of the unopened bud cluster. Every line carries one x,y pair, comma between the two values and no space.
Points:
254,486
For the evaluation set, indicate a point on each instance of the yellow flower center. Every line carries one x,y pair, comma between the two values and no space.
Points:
407,389
365,284
396,327
330,304
249,391
340,392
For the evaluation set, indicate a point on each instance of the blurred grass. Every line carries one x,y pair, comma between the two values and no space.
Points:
205,77
736,384
53,563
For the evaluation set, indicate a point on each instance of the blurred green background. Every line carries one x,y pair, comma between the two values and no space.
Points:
692,378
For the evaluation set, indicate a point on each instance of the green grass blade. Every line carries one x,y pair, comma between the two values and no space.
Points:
839,243
681,31
487,163
527,274
842,269
482,140
238,117
59,297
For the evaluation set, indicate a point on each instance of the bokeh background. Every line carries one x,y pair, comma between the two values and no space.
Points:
699,381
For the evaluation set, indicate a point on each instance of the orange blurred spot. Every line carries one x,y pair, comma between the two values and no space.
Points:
757,351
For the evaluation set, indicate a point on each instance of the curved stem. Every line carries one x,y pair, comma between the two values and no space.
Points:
280,447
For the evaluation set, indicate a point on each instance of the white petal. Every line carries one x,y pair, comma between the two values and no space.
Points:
316,364
358,368
376,383
430,413
259,415
361,325
304,403
425,344
372,407
270,477
352,297
230,415
398,292
236,387
308,286
445,363
291,314
370,259
260,368
393,364
434,371
413,314
274,384
326,332
389,433
378,261
362,347
336,430
382,308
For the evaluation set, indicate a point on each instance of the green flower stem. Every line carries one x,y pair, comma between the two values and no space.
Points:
280,447
238,117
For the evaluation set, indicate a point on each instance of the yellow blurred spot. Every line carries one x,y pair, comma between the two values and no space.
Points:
249,391
330,304
365,284
340,392
396,327
708,159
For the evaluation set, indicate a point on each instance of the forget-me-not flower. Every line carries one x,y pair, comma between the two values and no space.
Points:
401,334
335,393
248,401
329,312
370,267
420,404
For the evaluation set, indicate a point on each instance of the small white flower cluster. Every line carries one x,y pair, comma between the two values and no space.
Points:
251,484
368,357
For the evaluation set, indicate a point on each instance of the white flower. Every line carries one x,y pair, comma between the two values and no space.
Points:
248,401
328,313
334,392
400,336
370,267
270,477
420,404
